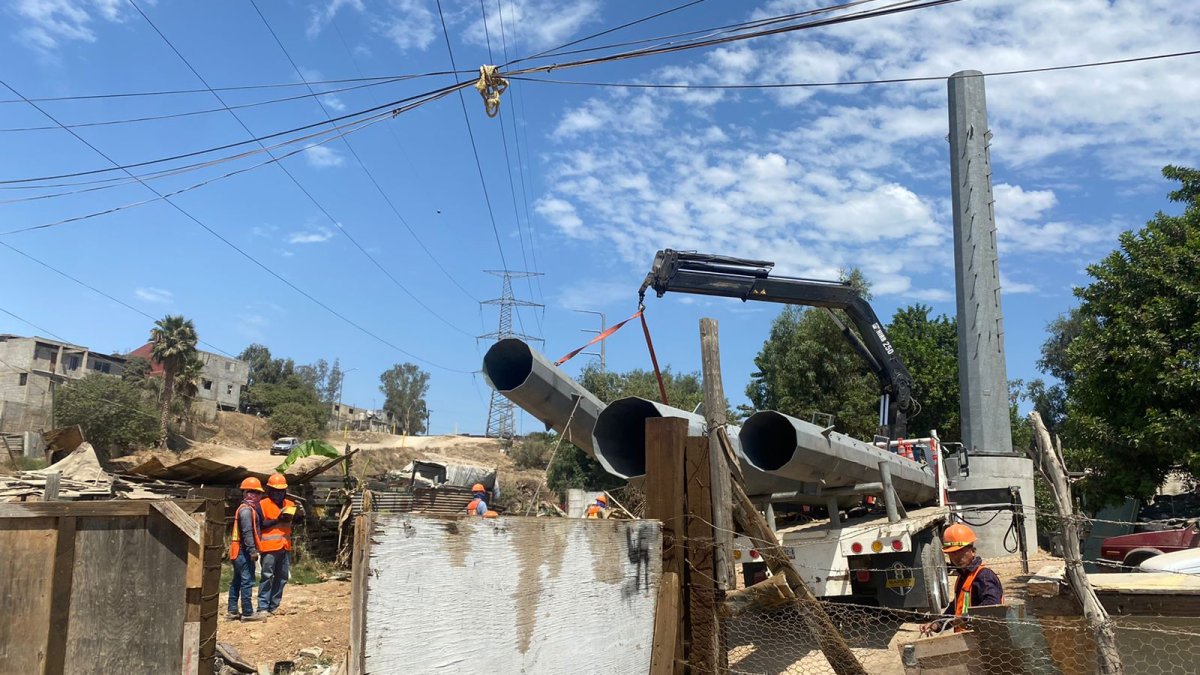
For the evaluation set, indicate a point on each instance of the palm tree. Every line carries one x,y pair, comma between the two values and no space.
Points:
174,340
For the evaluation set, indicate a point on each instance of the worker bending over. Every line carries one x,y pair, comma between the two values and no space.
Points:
478,505
276,543
598,510
977,585
244,551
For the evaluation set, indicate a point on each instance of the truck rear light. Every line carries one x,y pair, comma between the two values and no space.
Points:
877,546
897,545
856,547
753,553
863,576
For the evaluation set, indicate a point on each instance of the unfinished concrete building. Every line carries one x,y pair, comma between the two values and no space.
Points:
31,368
221,380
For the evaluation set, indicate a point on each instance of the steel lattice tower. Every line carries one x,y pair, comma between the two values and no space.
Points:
500,423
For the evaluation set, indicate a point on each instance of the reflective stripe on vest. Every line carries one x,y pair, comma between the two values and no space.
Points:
235,546
278,537
962,603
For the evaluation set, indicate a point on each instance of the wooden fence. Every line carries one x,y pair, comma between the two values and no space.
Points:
110,586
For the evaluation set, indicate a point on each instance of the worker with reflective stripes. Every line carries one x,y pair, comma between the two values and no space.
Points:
478,505
977,585
276,543
244,551
599,510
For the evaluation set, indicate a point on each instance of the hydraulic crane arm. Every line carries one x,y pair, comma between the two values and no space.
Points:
727,277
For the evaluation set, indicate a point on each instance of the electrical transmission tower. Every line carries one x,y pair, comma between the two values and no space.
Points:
500,423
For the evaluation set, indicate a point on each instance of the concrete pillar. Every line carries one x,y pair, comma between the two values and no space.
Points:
981,374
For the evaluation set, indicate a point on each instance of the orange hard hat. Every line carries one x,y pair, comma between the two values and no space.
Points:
251,483
603,499
956,537
277,481
478,487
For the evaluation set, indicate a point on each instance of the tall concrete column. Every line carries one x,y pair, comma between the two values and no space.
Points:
981,372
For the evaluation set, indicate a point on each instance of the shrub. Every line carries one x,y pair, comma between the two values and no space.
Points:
531,453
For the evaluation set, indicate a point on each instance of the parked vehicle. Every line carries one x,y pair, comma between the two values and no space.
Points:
1186,561
284,445
1131,550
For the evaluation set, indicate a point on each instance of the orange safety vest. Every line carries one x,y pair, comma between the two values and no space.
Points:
962,603
474,505
594,512
235,546
278,537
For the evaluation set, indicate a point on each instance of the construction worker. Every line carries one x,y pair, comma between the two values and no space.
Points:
977,585
244,551
478,505
275,543
599,510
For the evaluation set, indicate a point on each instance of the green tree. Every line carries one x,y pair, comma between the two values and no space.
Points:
114,414
404,387
929,349
174,345
296,419
1135,362
684,390
136,369
572,468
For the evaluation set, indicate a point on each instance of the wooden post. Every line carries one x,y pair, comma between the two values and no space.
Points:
716,419
703,628
1050,462
820,627
53,479
666,625
665,439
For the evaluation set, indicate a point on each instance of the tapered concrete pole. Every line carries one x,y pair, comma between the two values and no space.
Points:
981,371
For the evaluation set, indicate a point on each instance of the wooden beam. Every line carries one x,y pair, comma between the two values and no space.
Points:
666,625
128,507
774,592
210,596
364,525
703,627
719,467
61,582
179,519
53,480
665,440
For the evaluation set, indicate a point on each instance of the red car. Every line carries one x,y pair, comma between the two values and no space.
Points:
1131,550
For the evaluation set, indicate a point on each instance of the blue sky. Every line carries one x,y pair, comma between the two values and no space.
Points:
814,179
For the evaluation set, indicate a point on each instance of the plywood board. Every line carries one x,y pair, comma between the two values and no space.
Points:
26,563
128,596
508,595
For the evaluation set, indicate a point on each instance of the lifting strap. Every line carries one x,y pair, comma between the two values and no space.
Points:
640,314
609,331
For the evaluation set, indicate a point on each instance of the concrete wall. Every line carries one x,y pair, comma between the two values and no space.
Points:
507,595
222,380
1000,471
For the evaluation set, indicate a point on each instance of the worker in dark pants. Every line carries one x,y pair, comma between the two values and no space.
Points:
244,551
976,586
276,545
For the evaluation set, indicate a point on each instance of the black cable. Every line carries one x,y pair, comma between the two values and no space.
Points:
191,113
362,165
235,247
98,292
172,92
471,135
850,83
35,327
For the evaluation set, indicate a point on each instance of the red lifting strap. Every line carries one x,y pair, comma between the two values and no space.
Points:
662,389
611,329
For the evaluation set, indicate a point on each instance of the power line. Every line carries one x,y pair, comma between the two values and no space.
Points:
35,327
172,92
851,83
97,291
362,165
337,225
471,135
240,251
206,111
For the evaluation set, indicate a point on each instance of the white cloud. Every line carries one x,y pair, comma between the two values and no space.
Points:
1023,224
409,24
562,215
593,293
321,16
51,22
931,294
317,236
323,157
1009,286
530,24
151,294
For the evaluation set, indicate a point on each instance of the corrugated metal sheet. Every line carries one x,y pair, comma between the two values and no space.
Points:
432,501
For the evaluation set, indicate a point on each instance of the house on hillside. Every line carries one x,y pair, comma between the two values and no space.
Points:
30,370
343,417
221,380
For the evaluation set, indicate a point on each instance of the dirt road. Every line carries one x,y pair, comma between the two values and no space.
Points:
315,615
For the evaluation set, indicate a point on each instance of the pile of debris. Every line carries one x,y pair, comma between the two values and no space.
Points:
80,476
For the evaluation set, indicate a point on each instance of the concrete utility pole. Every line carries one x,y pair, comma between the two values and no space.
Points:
981,372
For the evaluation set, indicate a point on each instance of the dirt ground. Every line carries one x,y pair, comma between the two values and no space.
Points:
314,615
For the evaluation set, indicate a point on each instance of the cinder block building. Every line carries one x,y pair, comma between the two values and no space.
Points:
31,368
221,380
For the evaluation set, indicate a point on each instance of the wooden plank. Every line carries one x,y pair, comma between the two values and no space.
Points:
89,508
665,439
666,624
214,552
364,526
61,588
703,629
765,595
719,467
191,648
127,600
26,572
53,480
185,523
